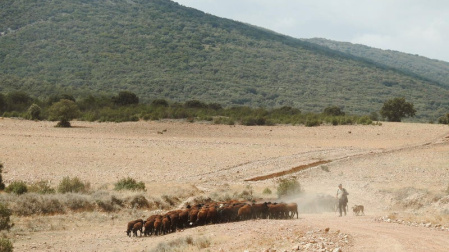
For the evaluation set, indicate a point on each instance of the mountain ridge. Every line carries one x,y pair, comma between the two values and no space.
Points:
160,49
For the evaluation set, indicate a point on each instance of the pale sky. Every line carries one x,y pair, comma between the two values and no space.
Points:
411,26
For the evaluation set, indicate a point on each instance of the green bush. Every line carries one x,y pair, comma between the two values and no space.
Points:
5,245
68,185
313,122
17,187
5,218
266,191
129,184
288,186
34,112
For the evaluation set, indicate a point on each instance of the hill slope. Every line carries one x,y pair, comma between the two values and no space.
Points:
159,49
434,70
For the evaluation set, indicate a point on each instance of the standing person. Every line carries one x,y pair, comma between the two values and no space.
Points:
342,196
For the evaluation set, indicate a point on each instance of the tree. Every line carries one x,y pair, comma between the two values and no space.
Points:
126,98
3,103
18,101
333,111
396,109
64,111
34,112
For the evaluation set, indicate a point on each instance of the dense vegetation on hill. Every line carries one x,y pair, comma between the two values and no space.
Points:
434,70
159,49
125,107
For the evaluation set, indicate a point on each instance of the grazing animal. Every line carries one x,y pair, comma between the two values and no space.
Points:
293,209
166,224
131,225
245,212
137,227
183,218
260,210
358,209
158,225
278,211
212,215
201,216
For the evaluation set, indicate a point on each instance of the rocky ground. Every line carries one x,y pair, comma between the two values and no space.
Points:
398,171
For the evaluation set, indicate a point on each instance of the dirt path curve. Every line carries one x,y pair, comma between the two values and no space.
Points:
370,235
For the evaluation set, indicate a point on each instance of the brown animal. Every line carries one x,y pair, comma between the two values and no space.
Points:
166,224
131,225
193,215
212,215
260,210
357,209
174,219
278,211
137,227
201,216
245,212
183,218
149,224
293,209
158,225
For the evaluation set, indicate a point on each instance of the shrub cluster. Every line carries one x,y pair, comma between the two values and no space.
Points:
129,184
288,186
126,107
73,185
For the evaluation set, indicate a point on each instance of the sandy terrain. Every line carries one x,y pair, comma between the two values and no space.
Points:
398,171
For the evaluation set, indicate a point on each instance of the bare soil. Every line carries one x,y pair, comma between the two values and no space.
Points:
398,171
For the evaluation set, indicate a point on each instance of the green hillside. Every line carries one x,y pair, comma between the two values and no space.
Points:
435,70
159,49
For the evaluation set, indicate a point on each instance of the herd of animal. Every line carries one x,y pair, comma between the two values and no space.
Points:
211,213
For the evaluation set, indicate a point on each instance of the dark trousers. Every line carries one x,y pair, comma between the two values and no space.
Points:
342,205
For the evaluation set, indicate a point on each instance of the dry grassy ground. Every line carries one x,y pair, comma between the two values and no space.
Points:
398,171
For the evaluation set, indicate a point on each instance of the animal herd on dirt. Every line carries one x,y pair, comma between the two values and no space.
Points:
211,213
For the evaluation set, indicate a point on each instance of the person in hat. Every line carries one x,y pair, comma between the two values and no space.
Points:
342,196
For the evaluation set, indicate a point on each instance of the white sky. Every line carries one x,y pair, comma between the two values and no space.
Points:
411,26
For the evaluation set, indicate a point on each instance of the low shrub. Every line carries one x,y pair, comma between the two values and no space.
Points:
41,187
129,184
17,187
183,244
32,203
266,191
139,202
171,200
78,202
73,185
6,245
5,218
288,186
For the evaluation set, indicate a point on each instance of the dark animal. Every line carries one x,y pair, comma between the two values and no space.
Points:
260,210
137,227
245,212
166,224
158,225
131,225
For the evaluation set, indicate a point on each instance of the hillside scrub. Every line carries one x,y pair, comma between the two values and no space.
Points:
127,109
163,49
